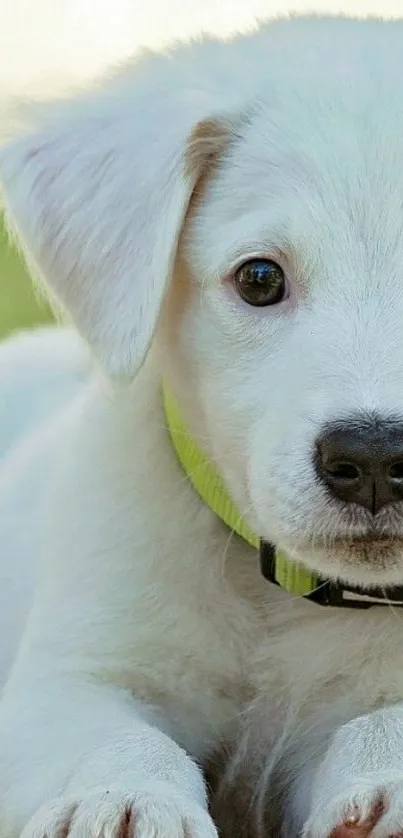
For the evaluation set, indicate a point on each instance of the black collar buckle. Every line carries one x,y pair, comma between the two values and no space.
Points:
332,593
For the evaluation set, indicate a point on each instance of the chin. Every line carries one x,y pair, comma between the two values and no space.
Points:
376,561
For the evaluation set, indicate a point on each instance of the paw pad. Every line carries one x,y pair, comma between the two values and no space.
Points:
356,823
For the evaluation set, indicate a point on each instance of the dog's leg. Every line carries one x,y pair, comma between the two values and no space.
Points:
358,787
348,785
112,772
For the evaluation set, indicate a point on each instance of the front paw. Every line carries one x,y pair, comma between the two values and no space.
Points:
372,807
156,810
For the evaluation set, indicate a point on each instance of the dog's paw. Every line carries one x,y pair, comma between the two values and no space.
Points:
155,811
370,809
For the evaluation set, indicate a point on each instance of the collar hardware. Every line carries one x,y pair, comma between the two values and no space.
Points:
327,592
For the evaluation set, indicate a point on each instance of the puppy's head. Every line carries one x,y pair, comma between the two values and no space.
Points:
247,199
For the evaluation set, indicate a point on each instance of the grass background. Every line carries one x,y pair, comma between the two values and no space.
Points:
18,306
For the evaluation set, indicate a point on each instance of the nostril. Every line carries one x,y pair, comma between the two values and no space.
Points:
344,472
347,472
396,471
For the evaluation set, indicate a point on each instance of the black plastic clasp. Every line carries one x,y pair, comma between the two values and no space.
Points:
332,593
267,560
322,594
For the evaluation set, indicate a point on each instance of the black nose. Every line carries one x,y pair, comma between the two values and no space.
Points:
362,463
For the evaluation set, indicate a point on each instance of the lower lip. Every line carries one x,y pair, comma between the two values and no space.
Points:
356,545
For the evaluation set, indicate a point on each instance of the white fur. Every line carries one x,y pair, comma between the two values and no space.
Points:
133,205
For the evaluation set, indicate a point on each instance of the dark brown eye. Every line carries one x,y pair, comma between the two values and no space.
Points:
261,282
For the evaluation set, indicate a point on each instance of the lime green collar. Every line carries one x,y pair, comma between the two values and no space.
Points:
208,484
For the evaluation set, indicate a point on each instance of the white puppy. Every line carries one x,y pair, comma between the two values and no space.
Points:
239,207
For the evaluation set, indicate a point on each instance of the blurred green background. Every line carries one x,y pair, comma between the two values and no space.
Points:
18,306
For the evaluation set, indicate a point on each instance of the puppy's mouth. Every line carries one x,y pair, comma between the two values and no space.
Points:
364,557
359,538
367,547
363,542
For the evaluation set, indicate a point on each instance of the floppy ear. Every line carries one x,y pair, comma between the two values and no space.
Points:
98,196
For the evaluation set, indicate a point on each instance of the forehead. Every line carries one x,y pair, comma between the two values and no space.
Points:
319,161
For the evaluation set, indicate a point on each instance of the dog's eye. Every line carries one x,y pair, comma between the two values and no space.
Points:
260,282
